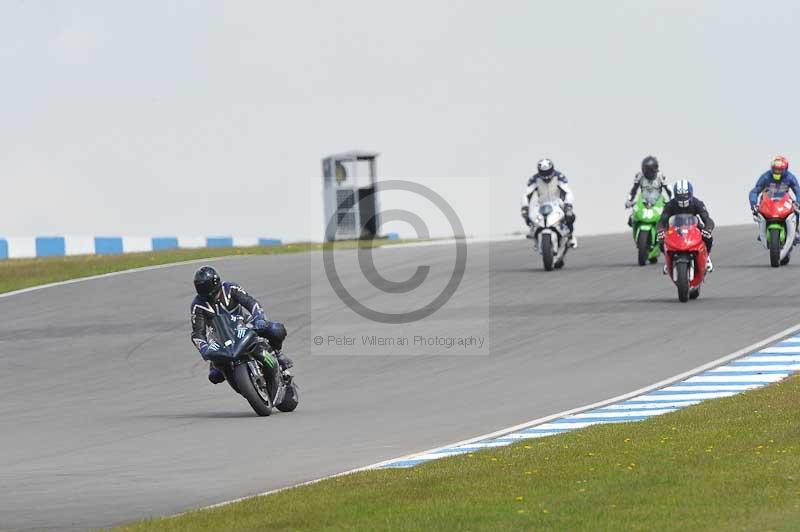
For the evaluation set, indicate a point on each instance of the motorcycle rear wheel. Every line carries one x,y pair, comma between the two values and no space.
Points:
682,282
547,252
774,248
643,243
291,399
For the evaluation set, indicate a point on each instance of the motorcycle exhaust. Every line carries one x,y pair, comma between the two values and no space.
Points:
279,395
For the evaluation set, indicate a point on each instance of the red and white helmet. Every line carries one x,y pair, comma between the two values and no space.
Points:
779,166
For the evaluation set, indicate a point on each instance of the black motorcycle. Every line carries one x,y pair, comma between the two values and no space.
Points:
250,367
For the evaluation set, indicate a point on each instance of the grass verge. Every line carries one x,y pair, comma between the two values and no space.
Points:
728,464
16,274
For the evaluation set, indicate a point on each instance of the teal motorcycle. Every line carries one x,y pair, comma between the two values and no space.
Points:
646,213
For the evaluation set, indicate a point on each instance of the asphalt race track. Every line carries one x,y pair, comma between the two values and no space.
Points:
106,415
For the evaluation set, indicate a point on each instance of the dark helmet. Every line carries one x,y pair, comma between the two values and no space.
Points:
545,168
207,282
650,167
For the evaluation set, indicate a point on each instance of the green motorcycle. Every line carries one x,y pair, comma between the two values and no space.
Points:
646,213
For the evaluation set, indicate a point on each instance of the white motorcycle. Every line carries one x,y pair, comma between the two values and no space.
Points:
549,233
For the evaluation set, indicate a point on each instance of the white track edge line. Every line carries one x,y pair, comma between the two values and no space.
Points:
210,259
530,424
114,274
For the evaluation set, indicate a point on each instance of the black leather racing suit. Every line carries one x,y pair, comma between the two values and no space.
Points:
696,207
235,300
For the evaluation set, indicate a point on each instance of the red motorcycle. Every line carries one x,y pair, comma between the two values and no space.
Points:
686,255
777,224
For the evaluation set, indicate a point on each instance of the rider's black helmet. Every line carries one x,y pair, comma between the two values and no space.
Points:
207,282
650,167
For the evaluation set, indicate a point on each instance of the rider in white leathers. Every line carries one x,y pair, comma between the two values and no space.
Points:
548,185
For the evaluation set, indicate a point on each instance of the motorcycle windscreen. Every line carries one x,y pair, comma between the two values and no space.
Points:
683,222
651,196
222,329
776,192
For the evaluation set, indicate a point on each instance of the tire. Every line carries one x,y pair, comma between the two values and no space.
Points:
547,252
291,399
232,384
228,371
694,293
682,282
774,248
643,243
244,381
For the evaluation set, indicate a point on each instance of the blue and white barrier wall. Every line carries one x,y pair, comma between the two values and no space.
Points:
59,246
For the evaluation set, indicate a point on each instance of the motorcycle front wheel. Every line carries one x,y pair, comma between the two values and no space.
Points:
774,248
682,281
253,387
643,243
547,252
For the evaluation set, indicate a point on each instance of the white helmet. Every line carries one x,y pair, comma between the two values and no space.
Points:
683,192
545,168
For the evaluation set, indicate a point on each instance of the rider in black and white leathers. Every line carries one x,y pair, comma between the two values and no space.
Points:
548,185
650,181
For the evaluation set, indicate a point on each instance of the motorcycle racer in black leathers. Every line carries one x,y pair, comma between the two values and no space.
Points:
684,202
213,296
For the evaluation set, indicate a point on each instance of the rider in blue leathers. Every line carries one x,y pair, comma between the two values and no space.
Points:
213,297
777,175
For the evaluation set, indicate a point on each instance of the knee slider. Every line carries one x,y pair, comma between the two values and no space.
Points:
276,333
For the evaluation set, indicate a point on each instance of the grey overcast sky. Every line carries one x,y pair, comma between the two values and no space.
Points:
210,117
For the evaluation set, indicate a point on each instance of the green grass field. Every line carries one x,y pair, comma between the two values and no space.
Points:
23,273
728,464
